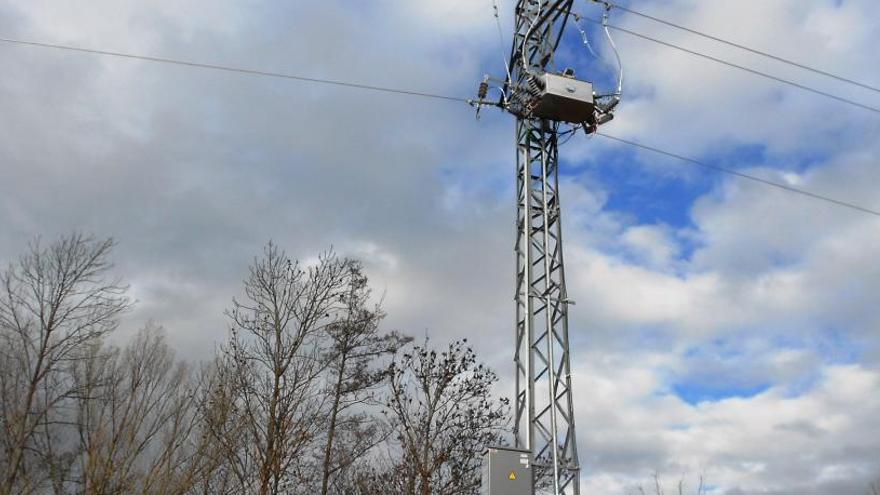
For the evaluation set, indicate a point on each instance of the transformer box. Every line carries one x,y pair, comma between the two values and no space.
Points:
507,471
564,99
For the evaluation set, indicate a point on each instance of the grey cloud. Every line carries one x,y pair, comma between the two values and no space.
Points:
193,171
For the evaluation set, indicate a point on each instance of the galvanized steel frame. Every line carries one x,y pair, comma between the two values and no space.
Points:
544,420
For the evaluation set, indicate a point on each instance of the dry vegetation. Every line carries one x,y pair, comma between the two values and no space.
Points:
306,395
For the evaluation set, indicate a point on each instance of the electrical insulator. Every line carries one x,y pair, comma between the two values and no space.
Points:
484,90
534,85
605,118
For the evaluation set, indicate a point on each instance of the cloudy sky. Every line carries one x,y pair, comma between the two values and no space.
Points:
722,327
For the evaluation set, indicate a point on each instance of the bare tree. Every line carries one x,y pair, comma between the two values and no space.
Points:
356,347
290,404
874,488
135,419
222,431
272,366
55,300
681,486
444,416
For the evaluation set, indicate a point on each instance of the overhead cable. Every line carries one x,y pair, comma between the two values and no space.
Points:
226,68
584,37
611,43
434,96
747,48
742,175
741,67
501,38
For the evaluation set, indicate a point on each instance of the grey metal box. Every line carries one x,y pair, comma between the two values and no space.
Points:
507,471
565,99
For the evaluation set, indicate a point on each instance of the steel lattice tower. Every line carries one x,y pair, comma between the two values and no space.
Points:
544,412
543,100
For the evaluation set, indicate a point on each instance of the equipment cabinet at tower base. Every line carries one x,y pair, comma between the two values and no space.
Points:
507,471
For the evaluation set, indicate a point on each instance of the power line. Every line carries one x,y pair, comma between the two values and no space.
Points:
501,38
748,48
742,175
426,95
741,67
233,69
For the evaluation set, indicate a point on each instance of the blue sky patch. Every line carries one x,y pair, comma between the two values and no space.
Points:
648,196
696,392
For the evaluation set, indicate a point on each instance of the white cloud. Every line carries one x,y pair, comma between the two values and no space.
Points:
653,244
193,171
770,443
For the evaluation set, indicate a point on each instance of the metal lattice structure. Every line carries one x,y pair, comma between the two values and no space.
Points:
544,412
543,100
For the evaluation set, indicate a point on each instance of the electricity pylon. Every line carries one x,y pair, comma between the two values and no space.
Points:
542,100
544,414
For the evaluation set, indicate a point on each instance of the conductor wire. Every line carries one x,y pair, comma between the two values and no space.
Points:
613,48
742,175
584,37
741,67
501,40
227,68
435,96
746,48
